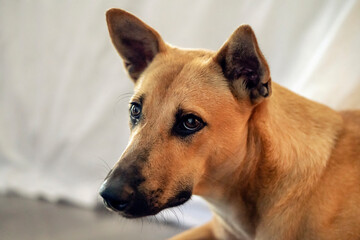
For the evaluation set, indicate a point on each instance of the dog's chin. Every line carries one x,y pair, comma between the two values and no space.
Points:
138,211
129,215
179,199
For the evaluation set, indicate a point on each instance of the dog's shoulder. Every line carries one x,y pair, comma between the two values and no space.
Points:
351,126
352,118
348,144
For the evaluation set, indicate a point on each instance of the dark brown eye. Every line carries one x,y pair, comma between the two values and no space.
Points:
135,111
191,123
187,125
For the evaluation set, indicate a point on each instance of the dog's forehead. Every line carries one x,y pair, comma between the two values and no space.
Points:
180,75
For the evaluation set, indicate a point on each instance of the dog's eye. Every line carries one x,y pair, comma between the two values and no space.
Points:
191,123
188,124
135,111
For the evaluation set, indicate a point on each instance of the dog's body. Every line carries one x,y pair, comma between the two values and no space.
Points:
271,164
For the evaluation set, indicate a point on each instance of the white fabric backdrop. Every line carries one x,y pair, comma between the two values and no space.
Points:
64,93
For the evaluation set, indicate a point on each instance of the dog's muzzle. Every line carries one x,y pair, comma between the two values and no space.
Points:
124,191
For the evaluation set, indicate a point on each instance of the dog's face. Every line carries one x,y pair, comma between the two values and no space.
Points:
188,108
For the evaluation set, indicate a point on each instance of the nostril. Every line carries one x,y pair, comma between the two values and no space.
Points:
117,205
121,206
115,199
114,203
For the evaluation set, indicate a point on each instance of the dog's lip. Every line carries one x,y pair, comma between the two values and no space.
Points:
153,211
128,210
127,213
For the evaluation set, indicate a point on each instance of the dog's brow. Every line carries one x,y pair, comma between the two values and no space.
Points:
139,99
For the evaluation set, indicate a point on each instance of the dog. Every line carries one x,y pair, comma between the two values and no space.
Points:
270,163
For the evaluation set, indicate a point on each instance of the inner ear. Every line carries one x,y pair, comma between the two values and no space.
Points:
244,66
136,42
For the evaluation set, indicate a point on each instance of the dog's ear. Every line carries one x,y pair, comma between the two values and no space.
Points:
244,66
136,42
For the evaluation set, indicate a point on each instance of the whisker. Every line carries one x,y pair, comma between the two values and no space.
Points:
176,216
124,96
106,165
161,214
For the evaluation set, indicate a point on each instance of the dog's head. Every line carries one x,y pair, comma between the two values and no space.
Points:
188,115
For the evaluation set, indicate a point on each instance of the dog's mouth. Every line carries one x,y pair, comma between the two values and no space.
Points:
179,199
141,206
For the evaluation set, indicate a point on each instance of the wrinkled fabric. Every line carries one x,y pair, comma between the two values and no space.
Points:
64,93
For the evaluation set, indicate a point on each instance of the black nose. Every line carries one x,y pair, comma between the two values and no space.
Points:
115,196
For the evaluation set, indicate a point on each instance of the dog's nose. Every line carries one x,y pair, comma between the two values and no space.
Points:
115,196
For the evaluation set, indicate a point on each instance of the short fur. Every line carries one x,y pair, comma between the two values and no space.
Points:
270,163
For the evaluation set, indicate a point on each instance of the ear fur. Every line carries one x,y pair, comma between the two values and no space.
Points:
136,42
244,65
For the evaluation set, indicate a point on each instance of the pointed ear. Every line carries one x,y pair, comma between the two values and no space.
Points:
136,42
244,65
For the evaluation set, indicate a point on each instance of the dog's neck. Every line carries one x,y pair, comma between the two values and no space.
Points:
282,163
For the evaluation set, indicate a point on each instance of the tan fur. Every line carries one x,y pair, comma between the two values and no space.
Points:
277,167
